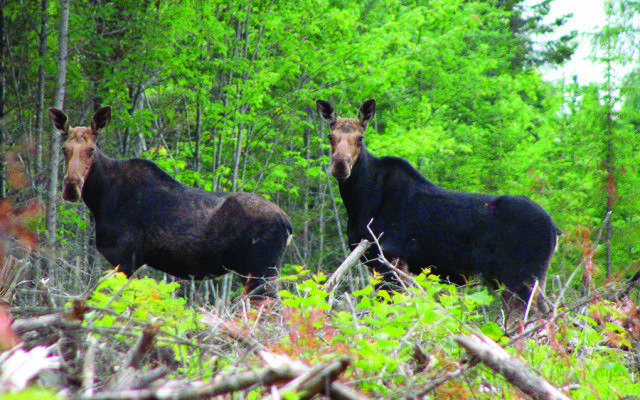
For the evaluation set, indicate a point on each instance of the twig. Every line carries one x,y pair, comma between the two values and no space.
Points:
581,263
515,372
435,382
43,285
401,275
532,296
142,346
11,273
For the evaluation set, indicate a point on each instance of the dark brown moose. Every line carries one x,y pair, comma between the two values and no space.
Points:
509,239
144,216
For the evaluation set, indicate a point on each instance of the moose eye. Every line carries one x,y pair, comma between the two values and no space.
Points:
330,137
360,139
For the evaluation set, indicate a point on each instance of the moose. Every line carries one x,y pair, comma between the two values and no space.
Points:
144,216
503,238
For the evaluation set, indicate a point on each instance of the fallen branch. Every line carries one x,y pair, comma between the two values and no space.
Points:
64,320
337,390
57,320
197,390
515,372
128,375
89,366
316,380
347,264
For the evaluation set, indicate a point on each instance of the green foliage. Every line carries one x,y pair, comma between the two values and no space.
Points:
221,96
142,300
70,221
384,336
125,303
590,351
31,394
380,334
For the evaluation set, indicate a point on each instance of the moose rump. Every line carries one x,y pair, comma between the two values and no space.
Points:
144,216
509,239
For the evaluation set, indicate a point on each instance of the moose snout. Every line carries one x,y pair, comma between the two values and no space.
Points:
341,166
72,187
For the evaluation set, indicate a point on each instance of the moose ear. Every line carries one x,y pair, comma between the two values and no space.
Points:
326,111
367,111
59,120
101,119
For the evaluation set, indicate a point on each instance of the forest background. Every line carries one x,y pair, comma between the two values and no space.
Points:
222,96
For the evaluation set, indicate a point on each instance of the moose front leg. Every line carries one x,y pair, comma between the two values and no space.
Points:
259,288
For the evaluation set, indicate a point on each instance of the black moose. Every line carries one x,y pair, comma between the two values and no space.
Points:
509,239
144,216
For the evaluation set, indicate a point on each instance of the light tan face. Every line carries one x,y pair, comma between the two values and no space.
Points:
346,141
78,150
346,136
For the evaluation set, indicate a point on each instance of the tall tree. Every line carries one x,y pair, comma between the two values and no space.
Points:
58,102
40,93
528,23
616,48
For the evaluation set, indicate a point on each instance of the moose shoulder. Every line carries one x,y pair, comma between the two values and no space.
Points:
144,216
506,238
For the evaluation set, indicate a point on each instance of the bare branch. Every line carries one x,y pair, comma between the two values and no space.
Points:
515,372
317,379
348,263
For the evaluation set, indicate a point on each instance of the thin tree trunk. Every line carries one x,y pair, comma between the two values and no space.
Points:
306,245
322,191
42,53
611,187
58,102
217,143
196,155
236,158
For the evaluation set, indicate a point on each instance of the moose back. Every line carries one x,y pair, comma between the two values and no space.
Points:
144,216
506,238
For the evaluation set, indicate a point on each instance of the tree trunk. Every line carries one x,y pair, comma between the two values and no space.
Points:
42,53
321,202
611,187
58,102
196,155
236,158
306,245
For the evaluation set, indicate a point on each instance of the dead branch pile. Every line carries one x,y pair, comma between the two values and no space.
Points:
83,362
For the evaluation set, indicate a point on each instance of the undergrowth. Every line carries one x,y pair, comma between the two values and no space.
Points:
398,344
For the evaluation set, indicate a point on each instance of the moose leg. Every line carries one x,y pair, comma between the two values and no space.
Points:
259,288
515,299
390,282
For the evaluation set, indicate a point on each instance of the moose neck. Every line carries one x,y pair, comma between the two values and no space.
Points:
360,192
96,181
